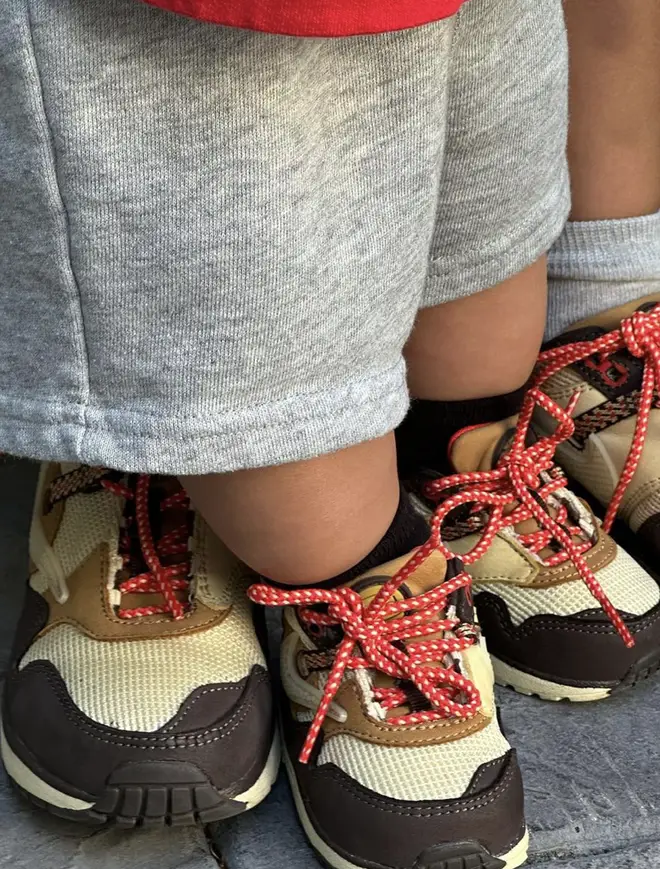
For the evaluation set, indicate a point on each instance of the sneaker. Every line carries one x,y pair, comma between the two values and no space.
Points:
138,691
392,743
566,612
613,364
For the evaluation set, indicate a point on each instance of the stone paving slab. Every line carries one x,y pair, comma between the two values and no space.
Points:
592,776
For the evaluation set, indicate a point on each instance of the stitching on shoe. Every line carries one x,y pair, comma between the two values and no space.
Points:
178,718
470,805
482,770
516,839
640,493
558,624
133,741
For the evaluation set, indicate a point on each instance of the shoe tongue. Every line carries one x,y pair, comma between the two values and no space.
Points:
429,575
480,448
611,319
425,578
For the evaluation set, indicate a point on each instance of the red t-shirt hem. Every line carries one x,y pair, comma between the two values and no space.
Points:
321,18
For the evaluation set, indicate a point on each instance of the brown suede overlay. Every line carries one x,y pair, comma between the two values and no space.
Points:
89,610
366,728
598,557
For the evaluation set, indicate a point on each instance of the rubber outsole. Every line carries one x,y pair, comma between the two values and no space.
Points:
147,807
459,855
533,686
479,858
187,799
643,670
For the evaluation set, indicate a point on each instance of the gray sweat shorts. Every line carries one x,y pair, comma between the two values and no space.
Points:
214,243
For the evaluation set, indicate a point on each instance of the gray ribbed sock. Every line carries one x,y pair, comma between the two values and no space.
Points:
597,265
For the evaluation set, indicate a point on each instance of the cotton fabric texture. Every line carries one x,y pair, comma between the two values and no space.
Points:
601,264
214,242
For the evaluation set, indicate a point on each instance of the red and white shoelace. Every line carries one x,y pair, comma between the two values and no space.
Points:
158,578
640,336
385,636
524,476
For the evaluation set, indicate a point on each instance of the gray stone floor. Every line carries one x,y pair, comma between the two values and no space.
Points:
592,776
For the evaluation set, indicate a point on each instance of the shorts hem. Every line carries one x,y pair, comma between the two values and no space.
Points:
454,277
293,430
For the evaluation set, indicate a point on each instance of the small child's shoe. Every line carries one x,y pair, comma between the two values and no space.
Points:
567,614
392,743
613,363
138,690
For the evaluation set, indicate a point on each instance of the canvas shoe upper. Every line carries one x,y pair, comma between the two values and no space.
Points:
559,602
392,743
138,689
613,364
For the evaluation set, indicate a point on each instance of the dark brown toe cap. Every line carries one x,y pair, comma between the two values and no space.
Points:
377,832
226,735
582,650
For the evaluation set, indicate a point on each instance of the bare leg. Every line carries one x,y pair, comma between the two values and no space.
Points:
304,522
482,345
614,138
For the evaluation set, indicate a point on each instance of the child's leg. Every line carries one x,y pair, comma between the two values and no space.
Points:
609,254
224,239
498,335
214,243
468,361
614,133
307,521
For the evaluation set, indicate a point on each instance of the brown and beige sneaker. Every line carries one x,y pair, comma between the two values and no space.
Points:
138,691
392,743
566,612
612,363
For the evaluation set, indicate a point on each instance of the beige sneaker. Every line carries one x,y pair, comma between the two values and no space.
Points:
559,602
138,690
392,743
613,364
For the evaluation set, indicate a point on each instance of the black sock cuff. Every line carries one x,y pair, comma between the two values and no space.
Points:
423,437
407,530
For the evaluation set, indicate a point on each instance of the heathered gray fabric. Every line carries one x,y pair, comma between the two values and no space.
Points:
213,243
598,265
504,194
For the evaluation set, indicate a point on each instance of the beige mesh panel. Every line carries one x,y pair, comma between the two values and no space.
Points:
433,772
140,685
627,585
88,521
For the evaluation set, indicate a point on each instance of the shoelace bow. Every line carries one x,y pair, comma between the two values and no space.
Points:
640,336
374,636
159,578
524,476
